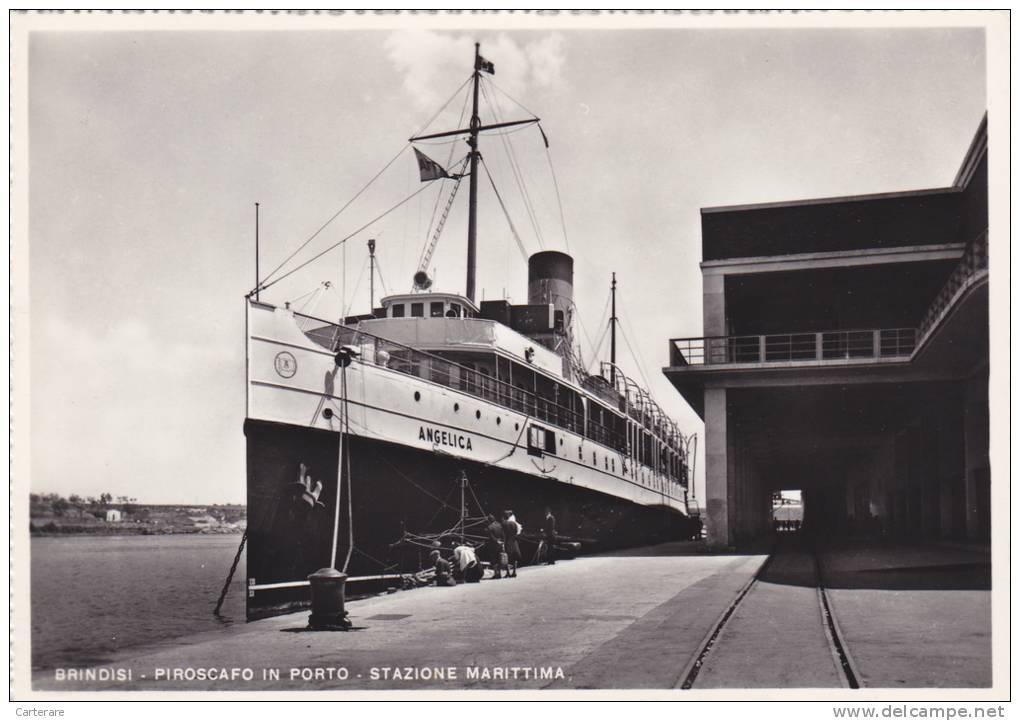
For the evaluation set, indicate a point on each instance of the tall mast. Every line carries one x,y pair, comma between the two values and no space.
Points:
371,275
473,131
473,180
612,335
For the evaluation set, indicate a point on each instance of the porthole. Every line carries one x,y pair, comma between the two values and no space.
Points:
417,396
594,458
498,420
478,415
561,441
517,426
456,407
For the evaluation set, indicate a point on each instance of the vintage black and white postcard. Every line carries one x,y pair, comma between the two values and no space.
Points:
679,325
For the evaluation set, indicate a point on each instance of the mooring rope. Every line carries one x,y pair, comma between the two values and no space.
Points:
230,576
347,458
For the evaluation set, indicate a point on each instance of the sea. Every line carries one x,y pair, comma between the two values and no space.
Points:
93,597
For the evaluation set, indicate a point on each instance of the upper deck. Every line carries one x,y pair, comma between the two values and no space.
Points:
460,333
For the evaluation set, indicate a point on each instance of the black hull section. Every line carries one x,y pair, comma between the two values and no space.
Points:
396,488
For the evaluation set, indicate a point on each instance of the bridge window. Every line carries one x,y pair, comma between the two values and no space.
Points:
398,310
436,309
417,310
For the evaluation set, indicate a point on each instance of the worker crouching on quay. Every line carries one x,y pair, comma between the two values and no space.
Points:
444,569
466,566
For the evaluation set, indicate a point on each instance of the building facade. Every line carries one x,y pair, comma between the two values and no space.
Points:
845,354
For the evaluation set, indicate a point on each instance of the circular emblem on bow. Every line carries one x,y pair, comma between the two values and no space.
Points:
285,364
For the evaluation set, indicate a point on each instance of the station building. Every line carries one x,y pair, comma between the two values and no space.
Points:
845,354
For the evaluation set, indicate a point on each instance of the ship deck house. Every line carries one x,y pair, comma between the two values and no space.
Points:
845,354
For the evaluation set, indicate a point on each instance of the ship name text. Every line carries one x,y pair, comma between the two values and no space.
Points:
440,437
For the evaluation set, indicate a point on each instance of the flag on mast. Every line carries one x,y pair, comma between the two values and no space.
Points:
428,168
486,65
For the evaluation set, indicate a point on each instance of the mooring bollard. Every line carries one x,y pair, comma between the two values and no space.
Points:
328,614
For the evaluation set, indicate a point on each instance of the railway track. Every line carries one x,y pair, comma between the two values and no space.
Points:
784,615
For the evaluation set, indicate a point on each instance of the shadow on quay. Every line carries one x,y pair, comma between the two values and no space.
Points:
662,550
877,565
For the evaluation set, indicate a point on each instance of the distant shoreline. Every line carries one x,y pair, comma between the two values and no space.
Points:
132,532
39,528
52,515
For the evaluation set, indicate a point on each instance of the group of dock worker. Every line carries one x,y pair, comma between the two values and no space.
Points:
463,568
501,550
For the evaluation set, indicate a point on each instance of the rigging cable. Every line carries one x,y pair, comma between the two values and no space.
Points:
262,285
357,285
518,173
598,348
382,281
638,358
513,230
510,97
266,286
430,247
516,170
435,205
420,488
302,297
552,169
637,361
605,313
559,200
314,301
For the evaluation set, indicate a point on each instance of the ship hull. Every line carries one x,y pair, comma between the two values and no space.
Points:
397,492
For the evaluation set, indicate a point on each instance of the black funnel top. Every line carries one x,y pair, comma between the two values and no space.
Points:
551,265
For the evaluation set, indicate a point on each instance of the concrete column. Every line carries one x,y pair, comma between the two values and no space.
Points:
930,497
717,467
883,484
736,465
977,487
714,305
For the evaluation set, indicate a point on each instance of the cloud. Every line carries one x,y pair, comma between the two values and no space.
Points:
431,63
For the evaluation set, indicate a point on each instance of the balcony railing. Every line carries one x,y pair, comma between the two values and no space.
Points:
974,260
835,345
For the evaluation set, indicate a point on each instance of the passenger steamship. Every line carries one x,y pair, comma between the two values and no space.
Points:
368,435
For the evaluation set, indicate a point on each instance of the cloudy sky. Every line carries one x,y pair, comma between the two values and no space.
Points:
147,151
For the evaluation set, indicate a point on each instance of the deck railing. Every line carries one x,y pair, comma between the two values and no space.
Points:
404,359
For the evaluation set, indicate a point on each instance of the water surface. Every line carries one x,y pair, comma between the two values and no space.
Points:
93,596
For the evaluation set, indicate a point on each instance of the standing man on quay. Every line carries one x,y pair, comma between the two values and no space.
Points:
495,545
550,536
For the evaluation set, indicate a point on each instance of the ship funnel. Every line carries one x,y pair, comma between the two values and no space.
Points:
551,281
422,280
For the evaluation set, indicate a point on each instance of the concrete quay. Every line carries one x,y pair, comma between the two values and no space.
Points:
631,620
